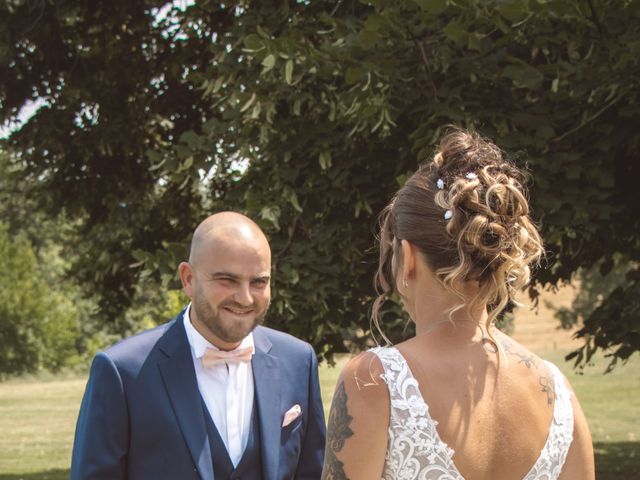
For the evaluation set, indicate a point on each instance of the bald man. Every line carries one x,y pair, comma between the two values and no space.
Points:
211,394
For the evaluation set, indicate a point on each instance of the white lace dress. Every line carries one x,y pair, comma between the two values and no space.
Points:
414,448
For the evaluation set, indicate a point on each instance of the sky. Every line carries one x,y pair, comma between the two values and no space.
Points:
25,114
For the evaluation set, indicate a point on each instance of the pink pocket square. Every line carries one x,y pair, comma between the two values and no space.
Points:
293,413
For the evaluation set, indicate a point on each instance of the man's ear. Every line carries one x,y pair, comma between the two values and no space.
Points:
186,277
408,259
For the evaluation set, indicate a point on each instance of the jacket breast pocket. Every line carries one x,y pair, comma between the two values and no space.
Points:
291,431
290,445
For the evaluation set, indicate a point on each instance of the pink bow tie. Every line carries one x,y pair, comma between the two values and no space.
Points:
213,357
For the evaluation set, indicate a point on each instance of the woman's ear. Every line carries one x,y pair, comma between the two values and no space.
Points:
408,260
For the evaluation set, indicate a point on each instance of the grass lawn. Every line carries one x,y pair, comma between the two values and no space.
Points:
37,419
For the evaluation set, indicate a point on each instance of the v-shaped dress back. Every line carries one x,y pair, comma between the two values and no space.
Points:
414,448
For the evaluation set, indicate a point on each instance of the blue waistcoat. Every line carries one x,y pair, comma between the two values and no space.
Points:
250,465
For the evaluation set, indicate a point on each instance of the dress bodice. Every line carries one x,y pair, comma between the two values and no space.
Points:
414,448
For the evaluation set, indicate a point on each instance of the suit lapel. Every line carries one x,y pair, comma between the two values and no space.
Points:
266,376
182,387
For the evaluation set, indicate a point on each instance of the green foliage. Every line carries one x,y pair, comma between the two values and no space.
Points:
44,245
308,116
153,305
592,288
602,293
613,325
38,326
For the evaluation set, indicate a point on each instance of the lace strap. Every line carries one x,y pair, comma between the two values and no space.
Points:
397,375
414,449
563,415
554,452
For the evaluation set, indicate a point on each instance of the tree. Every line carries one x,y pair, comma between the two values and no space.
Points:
38,326
307,116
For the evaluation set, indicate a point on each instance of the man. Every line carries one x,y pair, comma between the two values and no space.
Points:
210,394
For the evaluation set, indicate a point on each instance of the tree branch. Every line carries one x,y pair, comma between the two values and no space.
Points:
293,231
426,64
590,119
335,9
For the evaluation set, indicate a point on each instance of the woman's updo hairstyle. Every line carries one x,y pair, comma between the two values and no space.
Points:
467,213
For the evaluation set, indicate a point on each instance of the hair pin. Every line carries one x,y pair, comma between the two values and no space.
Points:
448,214
471,176
440,184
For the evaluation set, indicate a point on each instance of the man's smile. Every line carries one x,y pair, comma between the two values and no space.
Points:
238,311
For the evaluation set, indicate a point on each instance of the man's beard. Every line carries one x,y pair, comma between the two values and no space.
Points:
230,331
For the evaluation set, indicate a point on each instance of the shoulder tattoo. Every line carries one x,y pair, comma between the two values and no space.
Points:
547,385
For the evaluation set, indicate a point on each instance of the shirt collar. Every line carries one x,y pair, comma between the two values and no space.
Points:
199,344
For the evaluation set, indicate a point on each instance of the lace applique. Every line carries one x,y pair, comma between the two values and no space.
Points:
414,448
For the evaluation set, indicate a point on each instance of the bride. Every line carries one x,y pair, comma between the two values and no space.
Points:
461,399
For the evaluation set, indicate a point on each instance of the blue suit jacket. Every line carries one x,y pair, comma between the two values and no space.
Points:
141,416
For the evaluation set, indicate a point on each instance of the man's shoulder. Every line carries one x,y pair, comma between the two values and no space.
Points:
283,340
141,343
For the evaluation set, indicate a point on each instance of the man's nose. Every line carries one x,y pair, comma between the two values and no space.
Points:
243,294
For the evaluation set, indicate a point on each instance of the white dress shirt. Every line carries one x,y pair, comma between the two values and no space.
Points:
227,390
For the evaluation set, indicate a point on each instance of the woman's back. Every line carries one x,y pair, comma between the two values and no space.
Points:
422,411
494,412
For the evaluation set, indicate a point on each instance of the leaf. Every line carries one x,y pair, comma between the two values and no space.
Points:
263,33
182,152
218,85
140,255
479,42
187,164
513,10
191,138
253,43
210,125
432,6
248,103
546,132
374,23
288,72
325,160
155,157
268,63
272,215
255,112
292,197
525,75
455,32
354,75
367,38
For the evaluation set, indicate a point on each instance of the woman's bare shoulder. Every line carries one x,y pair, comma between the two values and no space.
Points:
358,421
363,378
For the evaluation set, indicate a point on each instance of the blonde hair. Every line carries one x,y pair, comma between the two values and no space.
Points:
486,236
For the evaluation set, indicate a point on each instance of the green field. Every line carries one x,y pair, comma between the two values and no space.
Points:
37,419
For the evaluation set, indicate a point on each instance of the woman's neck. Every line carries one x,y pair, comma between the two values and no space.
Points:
448,315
